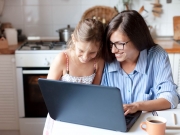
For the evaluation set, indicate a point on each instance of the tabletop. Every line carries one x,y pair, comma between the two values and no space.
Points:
61,128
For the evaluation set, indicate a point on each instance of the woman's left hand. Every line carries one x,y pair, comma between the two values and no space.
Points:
130,108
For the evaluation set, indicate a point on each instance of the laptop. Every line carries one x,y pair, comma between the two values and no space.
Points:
90,105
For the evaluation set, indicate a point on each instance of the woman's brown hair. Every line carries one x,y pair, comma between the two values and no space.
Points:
133,25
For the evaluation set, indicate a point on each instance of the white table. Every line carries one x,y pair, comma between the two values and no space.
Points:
63,128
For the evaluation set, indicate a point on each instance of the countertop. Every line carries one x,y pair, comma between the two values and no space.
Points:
11,49
168,44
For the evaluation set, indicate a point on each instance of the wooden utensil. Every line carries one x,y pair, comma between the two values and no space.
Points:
156,4
157,8
172,127
176,27
143,12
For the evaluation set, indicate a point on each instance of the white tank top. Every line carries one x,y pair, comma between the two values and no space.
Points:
85,79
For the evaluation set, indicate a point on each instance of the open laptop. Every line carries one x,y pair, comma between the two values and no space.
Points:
89,105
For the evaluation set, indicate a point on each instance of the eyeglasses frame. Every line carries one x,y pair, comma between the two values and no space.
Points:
123,44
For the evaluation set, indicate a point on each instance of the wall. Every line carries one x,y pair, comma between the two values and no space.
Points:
44,17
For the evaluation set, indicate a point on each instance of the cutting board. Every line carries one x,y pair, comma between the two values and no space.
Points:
176,27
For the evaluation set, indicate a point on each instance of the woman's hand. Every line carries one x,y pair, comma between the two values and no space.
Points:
150,105
130,108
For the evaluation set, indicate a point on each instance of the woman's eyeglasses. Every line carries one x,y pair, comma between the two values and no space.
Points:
119,45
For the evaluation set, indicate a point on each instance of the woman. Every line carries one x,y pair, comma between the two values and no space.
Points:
137,66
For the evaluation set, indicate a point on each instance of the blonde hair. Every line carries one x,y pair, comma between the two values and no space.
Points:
88,30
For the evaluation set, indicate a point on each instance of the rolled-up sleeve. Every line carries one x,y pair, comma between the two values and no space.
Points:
164,84
171,97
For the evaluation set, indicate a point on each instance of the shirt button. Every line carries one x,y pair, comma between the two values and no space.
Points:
128,90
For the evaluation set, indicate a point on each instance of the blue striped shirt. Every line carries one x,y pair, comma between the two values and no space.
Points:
151,78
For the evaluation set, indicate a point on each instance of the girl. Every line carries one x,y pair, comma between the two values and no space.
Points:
82,62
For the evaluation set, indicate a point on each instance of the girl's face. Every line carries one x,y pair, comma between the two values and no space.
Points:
126,51
86,51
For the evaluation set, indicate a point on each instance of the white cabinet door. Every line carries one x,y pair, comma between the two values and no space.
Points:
8,94
176,68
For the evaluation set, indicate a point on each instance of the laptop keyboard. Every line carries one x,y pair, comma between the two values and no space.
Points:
131,119
128,118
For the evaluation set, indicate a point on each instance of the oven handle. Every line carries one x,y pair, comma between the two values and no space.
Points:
35,71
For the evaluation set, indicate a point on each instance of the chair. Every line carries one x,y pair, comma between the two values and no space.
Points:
102,13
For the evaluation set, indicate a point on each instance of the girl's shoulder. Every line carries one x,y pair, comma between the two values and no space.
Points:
61,58
58,66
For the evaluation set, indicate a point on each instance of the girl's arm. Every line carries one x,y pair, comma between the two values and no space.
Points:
57,66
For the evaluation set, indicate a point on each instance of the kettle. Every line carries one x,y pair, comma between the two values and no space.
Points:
65,33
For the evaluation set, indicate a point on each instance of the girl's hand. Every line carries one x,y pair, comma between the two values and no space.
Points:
130,108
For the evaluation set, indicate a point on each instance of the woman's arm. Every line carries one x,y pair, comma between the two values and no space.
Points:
151,105
164,89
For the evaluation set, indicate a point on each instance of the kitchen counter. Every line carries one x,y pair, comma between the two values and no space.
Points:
168,44
11,49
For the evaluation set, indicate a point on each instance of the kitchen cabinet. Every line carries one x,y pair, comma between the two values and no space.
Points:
176,70
175,65
8,94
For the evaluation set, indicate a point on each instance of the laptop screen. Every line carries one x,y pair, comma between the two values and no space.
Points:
89,105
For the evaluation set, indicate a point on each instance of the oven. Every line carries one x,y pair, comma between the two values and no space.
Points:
33,60
31,98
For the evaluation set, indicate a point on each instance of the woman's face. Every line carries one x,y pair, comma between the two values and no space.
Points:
86,51
126,51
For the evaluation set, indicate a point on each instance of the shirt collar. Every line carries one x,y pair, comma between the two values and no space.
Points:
140,66
114,66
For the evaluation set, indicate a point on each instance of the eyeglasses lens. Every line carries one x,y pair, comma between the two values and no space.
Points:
118,45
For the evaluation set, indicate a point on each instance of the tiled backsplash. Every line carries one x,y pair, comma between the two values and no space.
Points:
44,17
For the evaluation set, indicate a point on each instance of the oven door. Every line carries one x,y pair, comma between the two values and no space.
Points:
31,102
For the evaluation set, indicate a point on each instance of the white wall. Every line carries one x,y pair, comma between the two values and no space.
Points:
44,17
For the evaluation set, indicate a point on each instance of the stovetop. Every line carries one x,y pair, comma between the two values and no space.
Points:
38,53
42,46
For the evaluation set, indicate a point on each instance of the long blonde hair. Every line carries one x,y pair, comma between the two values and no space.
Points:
88,30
